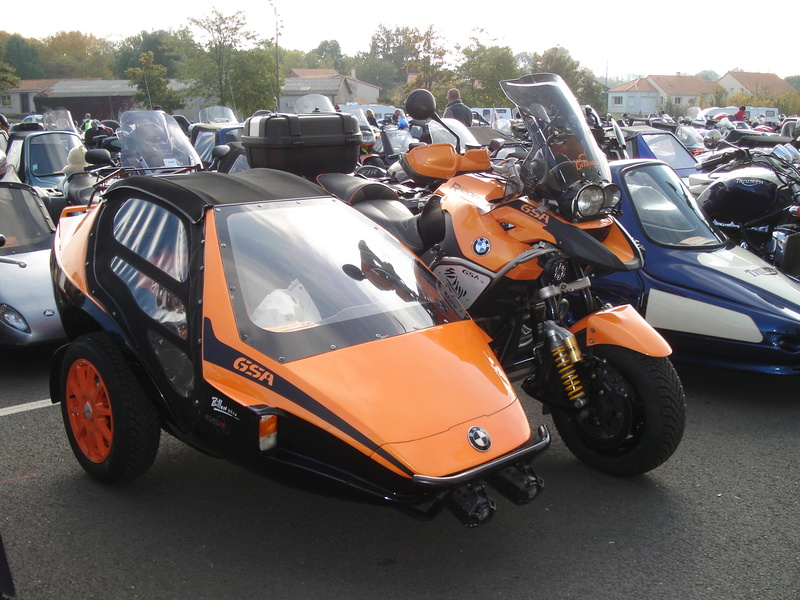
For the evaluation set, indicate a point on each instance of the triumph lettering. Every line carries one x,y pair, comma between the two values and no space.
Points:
254,370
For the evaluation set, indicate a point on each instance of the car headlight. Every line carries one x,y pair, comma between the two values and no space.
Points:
13,319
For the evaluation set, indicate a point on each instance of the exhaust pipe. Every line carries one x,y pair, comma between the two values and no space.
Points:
518,483
471,504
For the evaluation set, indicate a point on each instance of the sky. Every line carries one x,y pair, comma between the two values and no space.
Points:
623,38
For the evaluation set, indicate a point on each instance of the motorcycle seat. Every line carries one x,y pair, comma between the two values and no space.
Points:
354,189
395,218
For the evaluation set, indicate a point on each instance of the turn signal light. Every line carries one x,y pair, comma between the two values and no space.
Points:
267,432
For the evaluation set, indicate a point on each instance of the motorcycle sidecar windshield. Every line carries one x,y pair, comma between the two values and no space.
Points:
314,275
666,210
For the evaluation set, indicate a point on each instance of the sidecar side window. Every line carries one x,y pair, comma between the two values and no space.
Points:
155,234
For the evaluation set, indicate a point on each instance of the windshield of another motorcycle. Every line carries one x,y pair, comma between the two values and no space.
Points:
152,139
58,120
666,210
313,276
441,135
563,149
217,114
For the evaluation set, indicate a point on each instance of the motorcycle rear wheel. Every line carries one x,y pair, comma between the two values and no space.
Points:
113,429
635,415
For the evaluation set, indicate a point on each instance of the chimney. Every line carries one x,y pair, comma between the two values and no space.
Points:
353,73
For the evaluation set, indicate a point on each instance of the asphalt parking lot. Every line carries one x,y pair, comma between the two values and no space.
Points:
718,520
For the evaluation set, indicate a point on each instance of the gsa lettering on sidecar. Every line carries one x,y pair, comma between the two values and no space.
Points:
257,318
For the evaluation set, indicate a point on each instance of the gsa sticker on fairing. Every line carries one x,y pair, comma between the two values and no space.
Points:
481,246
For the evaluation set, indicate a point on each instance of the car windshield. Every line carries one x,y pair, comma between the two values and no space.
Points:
666,209
314,275
666,147
22,222
47,152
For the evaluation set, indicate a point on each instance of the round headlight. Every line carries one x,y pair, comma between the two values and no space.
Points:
589,201
612,196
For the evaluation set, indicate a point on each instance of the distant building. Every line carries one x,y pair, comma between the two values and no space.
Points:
650,94
734,82
102,98
340,89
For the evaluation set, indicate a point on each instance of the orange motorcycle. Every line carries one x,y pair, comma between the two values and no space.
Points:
517,242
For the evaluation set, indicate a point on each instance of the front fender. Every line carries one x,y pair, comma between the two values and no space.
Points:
622,326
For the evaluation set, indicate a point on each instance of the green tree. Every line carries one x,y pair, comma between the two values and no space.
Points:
210,62
580,80
23,55
717,97
72,54
165,46
426,63
329,55
8,78
794,81
708,76
152,85
253,79
377,71
480,71
395,46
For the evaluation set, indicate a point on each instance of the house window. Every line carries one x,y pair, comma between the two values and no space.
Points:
678,100
616,100
5,100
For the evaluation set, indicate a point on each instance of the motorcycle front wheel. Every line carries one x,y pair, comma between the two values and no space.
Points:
635,414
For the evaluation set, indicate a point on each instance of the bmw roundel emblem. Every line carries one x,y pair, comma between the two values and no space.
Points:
481,246
479,439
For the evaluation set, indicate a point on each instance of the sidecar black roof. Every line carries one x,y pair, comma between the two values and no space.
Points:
194,193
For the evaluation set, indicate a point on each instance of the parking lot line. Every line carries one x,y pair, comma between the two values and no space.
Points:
25,407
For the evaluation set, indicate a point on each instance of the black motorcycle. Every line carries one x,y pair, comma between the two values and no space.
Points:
754,198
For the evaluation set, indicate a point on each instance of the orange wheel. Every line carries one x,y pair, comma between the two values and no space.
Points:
89,411
112,427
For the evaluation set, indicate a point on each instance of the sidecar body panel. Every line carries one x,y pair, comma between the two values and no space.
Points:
714,303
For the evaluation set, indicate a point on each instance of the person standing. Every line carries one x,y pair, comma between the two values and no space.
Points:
456,109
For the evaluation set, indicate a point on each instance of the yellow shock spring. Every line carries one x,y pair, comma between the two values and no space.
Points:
569,376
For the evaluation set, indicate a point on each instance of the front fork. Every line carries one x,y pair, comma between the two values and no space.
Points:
619,326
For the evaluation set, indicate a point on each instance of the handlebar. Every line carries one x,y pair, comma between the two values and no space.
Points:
721,159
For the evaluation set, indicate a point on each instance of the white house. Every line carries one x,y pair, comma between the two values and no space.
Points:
648,95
